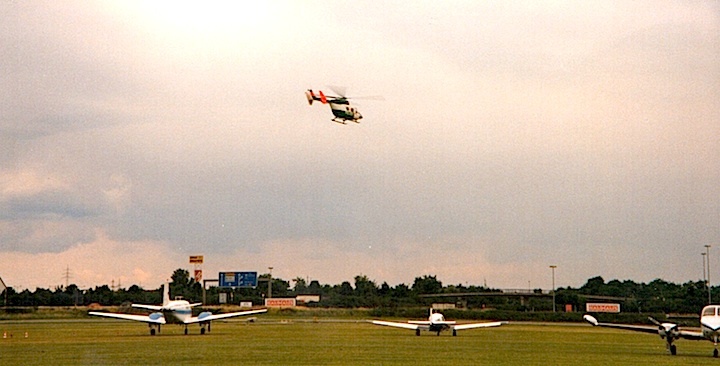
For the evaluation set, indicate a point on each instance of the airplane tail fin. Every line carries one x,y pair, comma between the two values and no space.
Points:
166,293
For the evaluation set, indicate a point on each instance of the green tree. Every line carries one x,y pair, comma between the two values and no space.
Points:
314,288
364,287
427,285
184,286
593,286
300,286
345,289
102,295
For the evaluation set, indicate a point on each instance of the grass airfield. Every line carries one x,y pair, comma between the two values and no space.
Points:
302,342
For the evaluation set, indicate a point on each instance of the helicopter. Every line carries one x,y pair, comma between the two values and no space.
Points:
340,105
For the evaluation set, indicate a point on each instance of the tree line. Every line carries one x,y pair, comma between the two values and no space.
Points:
658,296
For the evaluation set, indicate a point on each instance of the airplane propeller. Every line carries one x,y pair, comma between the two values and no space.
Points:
666,329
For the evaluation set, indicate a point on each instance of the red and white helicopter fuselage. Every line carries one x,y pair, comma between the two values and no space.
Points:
340,106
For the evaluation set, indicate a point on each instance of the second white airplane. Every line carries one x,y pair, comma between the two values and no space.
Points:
709,328
174,311
436,323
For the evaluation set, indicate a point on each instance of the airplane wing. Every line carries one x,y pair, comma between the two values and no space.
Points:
161,308
637,328
425,322
207,316
478,325
695,336
399,325
148,307
155,318
687,334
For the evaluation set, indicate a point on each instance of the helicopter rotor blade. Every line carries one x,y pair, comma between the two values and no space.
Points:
339,90
368,97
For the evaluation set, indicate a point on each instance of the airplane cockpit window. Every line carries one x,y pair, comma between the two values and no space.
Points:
709,311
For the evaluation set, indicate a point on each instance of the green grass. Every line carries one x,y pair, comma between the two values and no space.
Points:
268,342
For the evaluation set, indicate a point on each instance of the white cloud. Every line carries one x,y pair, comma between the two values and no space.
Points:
29,182
98,262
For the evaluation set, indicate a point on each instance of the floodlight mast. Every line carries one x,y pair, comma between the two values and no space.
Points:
3,288
709,287
552,267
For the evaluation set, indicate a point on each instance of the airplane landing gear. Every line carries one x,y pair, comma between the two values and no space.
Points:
454,333
715,353
417,332
153,328
670,346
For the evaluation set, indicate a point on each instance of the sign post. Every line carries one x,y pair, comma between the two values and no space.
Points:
237,279
197,261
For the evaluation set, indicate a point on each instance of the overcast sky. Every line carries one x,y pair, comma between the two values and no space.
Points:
513,136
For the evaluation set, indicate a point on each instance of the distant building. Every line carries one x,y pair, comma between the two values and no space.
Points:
306,299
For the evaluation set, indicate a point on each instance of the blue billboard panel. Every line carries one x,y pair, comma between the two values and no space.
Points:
237,279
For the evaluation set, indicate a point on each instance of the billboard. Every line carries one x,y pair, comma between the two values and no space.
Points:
280,302
196,259
602,308
237,279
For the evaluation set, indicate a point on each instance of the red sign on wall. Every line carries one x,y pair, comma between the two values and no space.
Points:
280,302
602,308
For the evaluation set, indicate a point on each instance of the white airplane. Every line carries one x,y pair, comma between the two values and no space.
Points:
709,328
174,311
436,323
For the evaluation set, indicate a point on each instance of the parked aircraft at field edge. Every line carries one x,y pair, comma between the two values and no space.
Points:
436,323
174,311
709,326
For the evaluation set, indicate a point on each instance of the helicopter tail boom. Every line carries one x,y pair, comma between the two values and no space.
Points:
311,97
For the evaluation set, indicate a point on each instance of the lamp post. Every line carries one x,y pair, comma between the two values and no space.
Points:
707,256
270,284
704,270
552,267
